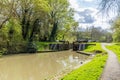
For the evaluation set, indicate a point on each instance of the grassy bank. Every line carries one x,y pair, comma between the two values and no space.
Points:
91,70
116,49
93,48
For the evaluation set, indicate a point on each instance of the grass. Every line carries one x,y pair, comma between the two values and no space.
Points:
116,49
89,71
93,48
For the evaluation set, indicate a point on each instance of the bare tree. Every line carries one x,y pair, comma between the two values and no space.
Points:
110,5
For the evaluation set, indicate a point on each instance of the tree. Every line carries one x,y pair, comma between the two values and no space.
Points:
20,18
110,5
5,11
68,29
114,7
58,11
95,33
116,30
30,16
27,12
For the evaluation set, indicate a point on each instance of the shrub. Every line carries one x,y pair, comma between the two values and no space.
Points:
31,47
3,51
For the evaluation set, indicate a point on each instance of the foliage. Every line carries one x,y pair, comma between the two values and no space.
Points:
3,51
89,71
112,6
58,15
31,47
94,33
94,47
11,36
44,45
116,49
22,21
116,30
68,29
41,18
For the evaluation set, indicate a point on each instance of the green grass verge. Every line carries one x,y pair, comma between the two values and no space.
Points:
93,48
89,71
116,49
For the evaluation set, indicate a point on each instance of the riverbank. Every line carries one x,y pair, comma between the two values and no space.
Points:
68,70
116,49
91,70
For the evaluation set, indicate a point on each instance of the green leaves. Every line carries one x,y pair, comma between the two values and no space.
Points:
41,5
116,28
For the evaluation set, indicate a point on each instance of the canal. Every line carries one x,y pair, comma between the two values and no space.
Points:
38,66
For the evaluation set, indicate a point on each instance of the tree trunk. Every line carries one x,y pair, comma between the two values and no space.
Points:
34,29
25,25
53,32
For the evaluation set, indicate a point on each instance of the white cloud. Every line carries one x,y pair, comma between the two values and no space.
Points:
88,0
99,19
76,17
74,4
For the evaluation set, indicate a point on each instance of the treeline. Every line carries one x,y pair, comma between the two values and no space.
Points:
94,34
116,29
24,21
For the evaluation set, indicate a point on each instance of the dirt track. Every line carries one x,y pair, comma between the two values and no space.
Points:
112,68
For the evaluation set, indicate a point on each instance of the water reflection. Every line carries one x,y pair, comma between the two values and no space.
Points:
37,66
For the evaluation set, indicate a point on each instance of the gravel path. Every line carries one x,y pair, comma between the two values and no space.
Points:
112,68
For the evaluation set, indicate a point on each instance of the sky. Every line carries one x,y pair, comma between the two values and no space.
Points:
87,13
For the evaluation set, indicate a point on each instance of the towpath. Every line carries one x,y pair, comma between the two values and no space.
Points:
112,67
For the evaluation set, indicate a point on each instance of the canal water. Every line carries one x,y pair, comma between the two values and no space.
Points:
39,66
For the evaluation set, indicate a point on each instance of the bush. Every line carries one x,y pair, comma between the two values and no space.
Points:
31,47
14,47
3,51
42,46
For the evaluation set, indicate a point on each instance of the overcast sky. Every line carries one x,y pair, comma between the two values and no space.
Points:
87,13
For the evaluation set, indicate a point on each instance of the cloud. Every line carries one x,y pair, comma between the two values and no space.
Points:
86,16
86,13
89,17
89,0
74,4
